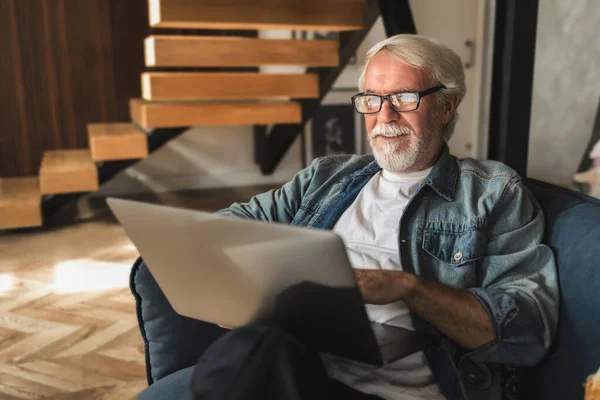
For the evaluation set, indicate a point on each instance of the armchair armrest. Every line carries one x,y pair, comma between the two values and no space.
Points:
171,342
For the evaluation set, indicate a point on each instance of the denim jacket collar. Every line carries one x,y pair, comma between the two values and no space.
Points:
442,178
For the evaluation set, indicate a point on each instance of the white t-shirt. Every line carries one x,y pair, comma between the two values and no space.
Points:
369,228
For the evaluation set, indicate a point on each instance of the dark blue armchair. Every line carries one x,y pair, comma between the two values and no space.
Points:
572,231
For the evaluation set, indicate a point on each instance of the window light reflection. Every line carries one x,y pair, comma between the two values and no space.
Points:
89,276
6,283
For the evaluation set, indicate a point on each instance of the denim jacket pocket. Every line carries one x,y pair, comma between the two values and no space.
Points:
454,247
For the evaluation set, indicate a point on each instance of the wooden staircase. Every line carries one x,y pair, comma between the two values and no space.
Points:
182,99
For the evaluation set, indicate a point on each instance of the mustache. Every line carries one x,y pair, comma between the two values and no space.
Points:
390,130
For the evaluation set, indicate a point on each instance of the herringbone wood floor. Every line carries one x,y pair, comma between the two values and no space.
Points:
68,329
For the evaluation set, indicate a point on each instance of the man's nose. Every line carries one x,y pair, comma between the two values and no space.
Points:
386,114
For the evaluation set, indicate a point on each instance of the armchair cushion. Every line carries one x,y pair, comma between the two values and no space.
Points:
573,232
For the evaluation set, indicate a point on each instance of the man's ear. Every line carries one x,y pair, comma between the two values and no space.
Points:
449,108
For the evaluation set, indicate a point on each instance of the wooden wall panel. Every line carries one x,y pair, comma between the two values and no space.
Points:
129,21
64,64
14,143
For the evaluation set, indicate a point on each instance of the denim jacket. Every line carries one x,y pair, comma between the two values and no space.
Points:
471,225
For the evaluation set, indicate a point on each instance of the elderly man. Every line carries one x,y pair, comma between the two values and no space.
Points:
439,245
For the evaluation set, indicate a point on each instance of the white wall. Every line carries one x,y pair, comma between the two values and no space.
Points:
454,22
566,87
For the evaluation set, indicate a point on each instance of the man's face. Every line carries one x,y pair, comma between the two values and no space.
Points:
412,139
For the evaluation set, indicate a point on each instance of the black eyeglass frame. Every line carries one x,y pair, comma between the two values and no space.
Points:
420,95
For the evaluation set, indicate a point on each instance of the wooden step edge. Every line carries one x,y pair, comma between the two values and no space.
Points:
117,141
68,171
170,114
254,26
150,51
137,113
185,86
330,15
221,51
20,203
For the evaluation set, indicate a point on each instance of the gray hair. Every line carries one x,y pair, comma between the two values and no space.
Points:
441,64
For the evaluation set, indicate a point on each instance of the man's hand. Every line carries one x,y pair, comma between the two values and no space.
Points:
382,286
456,313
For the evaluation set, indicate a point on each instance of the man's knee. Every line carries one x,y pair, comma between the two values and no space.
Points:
254,360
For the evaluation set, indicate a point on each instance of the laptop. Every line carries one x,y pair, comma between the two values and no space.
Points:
232,271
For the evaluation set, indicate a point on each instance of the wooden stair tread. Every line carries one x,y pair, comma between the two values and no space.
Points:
66,160
14,191
210,51
68,171
20,200
164,114
117,141
330,15
227,86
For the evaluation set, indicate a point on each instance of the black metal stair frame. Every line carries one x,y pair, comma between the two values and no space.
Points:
512,82
397,17
271,147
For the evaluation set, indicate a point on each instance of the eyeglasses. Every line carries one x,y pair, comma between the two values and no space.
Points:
399,101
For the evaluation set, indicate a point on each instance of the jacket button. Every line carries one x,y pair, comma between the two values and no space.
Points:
458,255
471,378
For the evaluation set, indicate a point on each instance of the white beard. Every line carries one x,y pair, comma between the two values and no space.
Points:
388,154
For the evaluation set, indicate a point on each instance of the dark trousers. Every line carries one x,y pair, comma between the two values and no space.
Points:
258,362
